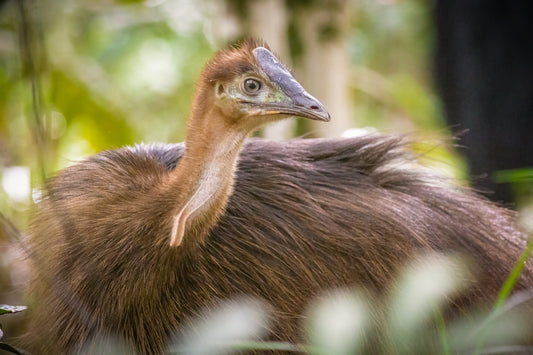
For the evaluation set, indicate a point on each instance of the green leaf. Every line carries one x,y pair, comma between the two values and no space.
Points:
515,274
5,308
514,175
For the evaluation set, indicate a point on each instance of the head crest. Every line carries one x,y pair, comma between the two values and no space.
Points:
233,61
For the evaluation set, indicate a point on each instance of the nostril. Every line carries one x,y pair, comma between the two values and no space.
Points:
314,107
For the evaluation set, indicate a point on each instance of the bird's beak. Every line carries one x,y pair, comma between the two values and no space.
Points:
303,104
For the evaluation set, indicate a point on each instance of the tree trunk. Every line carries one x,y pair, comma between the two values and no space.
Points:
325,67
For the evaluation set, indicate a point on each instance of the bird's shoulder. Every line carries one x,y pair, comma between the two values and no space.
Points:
118,171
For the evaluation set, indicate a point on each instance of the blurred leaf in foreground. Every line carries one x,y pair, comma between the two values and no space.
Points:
232,323
337,323
4,308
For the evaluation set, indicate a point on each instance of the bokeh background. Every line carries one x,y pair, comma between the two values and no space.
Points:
78,77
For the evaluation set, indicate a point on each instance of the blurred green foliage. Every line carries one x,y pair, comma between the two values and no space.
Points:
393,40
521,181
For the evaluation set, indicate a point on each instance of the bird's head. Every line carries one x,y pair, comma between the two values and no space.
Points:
251,87
239,90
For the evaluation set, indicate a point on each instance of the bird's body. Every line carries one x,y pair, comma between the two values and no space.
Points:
282,221
287,235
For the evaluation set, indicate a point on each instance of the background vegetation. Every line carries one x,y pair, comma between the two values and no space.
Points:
78,77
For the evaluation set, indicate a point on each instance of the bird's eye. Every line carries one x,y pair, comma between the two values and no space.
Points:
252,86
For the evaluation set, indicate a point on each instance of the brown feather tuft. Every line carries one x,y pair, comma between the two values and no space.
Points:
234,61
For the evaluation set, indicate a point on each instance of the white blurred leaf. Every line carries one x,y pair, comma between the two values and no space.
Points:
337,323
233,322
423,287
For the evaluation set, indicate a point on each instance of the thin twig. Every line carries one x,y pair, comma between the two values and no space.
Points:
29,68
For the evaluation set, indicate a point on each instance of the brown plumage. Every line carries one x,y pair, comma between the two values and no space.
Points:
295,218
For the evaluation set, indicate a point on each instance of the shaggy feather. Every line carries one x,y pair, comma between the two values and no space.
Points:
305,216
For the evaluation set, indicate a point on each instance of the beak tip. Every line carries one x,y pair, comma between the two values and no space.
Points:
323,116
318,114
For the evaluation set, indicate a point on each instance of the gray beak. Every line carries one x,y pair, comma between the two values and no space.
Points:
303,104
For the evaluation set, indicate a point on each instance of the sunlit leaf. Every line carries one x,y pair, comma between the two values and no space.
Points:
4,308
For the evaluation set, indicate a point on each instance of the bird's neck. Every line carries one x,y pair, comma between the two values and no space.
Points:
203,179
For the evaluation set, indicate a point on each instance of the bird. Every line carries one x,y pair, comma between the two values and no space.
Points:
134,242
